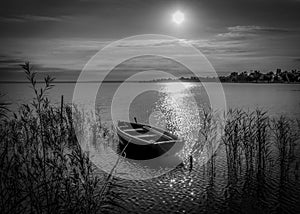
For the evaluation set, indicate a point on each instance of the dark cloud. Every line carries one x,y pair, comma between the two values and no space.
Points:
37,18
7,62
16,74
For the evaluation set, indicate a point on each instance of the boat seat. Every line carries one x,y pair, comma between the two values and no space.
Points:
130,130
146,135
157,132
168,141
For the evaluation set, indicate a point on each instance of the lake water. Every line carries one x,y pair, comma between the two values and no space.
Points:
180,191
277,99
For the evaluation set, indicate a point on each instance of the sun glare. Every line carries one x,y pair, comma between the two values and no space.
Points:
178,17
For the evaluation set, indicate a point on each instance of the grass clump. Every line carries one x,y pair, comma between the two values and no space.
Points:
42,167
258,149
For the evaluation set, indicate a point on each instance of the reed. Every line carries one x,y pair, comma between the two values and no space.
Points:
285,142
232,141
42,167
208,134
4,110
255,147
247,141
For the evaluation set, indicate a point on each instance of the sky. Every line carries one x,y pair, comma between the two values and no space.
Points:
59,37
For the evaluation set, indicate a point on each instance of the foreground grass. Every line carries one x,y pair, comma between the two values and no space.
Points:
42,167
261,157
254,142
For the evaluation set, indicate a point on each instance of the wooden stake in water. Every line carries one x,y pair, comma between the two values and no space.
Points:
61,107
191,162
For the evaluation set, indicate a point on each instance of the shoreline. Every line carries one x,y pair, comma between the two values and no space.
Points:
174,81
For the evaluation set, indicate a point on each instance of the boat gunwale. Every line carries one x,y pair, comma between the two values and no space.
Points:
147,142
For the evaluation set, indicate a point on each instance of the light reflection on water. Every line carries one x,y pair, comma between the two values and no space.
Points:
182,115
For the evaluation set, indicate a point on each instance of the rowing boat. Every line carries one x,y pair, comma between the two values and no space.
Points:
142,142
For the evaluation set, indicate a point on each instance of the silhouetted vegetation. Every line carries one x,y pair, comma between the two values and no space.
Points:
42,167
3,108
256,147
255,76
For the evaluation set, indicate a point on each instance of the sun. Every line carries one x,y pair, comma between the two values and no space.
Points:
178,17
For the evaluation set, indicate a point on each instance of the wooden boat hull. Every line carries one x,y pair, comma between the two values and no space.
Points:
143,144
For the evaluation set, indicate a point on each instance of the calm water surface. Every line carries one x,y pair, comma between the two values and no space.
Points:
277,99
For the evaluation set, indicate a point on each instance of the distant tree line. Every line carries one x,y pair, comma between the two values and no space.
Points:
278,76
255,76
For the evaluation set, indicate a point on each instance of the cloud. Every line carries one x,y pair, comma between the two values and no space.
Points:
34,18
216,46
11,19
250,31
210,46
150,43
60,57
9,61
256,29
